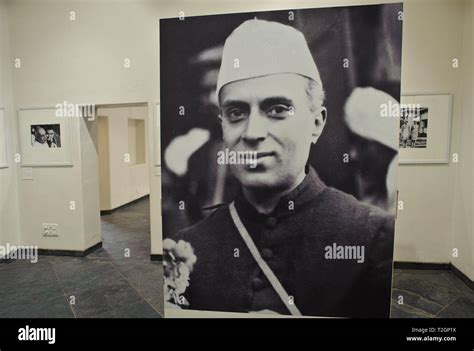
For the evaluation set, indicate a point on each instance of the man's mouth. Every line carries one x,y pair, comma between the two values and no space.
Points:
265,154
260,159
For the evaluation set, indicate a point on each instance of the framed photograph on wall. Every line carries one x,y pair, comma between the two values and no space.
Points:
3,140
425,128
45,139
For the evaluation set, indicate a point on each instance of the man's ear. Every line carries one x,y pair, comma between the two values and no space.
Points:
324,113
319,123
219,117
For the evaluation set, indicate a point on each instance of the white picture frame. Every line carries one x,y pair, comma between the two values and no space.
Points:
44,157
438,135
3,140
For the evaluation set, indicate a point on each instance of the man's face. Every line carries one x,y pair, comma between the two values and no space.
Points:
269,115
50,135
41,135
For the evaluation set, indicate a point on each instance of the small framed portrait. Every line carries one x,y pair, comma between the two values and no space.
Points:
46,135
44,138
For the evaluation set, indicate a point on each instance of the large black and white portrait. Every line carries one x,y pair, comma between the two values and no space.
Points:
279,169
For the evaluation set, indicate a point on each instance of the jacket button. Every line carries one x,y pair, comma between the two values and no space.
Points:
271,222
257,284
267,254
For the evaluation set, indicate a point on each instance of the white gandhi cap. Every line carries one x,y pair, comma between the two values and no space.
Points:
259,48
363,116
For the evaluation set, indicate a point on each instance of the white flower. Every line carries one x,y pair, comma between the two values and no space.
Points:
178,261
183,249
168,244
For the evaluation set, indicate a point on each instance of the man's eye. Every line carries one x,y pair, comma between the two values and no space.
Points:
235,115
279,111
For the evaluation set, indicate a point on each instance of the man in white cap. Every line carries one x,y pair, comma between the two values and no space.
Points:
288,243
374,146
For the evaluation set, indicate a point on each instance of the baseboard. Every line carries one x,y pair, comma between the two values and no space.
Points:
435,266
107,212
50,252
14,253
156,257
74,253
466,280
421,265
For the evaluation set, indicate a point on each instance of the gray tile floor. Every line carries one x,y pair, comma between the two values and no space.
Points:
430,294
103,284
108,284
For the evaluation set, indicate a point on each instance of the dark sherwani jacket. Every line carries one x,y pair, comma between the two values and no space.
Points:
292,240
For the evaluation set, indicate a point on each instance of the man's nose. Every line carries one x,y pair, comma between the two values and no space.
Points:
256,127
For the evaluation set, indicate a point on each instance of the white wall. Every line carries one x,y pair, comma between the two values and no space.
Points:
88,131
463,210
125,182
425,227
79,61
104,160
82,62
9,211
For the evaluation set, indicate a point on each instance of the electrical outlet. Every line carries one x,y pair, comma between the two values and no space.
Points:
50,229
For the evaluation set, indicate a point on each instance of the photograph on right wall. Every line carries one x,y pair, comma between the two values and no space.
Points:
425,127
413,127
